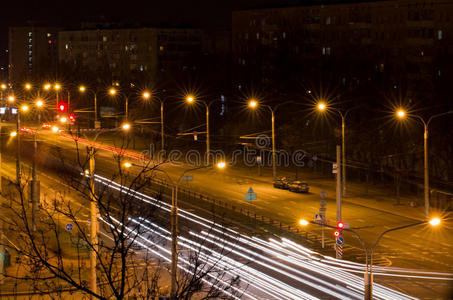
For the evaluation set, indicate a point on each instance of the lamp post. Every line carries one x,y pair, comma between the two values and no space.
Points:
368,275
94,212
147,95
254,104
113,92
190,99
322,106
174,222
35,184
83,89
401,114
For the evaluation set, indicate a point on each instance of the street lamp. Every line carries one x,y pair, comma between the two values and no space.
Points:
190,99
147,95
368,275
401,114
27,86
174,223
322,106
113,92
83,89
254,104
126,126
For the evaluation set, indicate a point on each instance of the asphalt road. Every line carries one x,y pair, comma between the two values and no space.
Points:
422,247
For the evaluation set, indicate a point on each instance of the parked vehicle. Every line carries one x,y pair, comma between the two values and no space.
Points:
281,183
298,187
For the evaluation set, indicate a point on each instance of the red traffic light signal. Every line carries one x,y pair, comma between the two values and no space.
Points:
340,225
336,233
72,117
62,106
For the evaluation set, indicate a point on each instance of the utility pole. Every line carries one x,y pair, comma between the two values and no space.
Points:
93,225
18,146
338,190
207,133
174,240
162,126
274,166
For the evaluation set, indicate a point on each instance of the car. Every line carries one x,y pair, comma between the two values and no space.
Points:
281,183
298,187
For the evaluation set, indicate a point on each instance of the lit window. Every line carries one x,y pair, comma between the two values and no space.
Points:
257,35
141,68
66,46
104,38
30,33
284,35
439,34
49,35
328,21
161,48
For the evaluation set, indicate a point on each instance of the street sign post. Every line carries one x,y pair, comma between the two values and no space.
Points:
322,214
69,227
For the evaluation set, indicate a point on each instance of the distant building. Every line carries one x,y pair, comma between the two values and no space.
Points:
32,52
401,42
122,51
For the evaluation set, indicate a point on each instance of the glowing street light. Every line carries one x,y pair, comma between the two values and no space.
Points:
146,95
3,86
11,98
57,86
112,91
126,126
82,88
47,86
127,165
28,86
221,165
13,133
401,113
303,222
39,103
321,106
54,128
190,99
434,221
24,108
253,103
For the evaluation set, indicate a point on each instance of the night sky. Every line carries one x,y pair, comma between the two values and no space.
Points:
201,13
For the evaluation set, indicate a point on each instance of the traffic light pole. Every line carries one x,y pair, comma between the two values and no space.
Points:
338,246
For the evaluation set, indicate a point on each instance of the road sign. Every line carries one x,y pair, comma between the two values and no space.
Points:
195,136
258,159
322,209
187,178
322,203
323,194
340,240
69,227
251,196
318,217
334,168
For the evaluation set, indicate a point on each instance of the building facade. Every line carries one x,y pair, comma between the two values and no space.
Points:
32,52
398,43
153,50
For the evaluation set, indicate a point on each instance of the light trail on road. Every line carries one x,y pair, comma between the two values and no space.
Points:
274,269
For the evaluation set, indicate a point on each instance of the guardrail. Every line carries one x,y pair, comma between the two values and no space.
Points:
245,210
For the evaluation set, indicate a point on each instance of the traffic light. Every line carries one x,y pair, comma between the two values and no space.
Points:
62,107
339,230
72,117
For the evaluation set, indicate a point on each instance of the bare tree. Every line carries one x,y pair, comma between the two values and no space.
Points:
53,258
